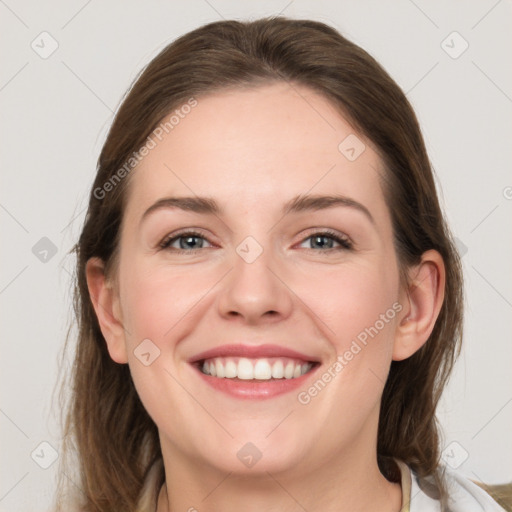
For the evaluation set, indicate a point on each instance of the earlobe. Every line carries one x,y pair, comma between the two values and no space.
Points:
106,306
423,300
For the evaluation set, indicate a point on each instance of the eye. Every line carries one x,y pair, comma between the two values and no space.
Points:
187,242
326,241
190,241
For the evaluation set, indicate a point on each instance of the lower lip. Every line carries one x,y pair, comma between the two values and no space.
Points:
256,390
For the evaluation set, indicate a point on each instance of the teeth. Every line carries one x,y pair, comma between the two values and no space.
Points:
231,370
288,371
262,370
219,369
251,369
278,370
245,369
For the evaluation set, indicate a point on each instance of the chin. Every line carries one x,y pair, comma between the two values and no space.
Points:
258,456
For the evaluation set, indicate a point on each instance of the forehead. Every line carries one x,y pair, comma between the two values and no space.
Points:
244,146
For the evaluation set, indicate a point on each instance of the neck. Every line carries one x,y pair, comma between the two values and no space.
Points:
345,483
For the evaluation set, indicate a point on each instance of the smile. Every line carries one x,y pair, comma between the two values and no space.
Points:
253,372
263,369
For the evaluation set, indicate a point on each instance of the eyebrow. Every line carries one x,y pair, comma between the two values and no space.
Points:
300,203
305,202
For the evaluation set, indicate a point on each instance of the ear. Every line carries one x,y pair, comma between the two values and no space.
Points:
105,301
422,302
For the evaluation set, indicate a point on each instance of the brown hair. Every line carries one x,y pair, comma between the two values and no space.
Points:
107,428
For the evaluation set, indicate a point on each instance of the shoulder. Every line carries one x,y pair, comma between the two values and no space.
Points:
463,494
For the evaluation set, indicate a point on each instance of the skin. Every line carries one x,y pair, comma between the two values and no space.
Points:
239,148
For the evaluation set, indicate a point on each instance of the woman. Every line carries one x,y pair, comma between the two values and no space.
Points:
269,300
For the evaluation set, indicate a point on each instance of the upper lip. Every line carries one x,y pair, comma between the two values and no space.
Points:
252,352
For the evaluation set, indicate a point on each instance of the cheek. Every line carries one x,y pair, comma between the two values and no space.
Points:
353,300
155,299
155,305
359,306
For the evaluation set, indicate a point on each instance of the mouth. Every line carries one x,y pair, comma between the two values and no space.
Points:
250,372
262,369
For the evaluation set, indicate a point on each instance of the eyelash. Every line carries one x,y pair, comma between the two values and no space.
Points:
344,242
166,242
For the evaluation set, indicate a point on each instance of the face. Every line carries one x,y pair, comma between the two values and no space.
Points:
264,280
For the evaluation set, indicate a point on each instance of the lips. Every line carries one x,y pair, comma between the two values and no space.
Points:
253,352
254,372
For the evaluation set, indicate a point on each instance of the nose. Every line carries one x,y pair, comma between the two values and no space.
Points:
256,292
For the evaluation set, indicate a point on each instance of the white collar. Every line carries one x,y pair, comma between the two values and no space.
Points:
420,494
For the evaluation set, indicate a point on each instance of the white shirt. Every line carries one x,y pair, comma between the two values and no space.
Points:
418,495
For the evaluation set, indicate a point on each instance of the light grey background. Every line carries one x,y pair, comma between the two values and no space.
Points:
56,112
